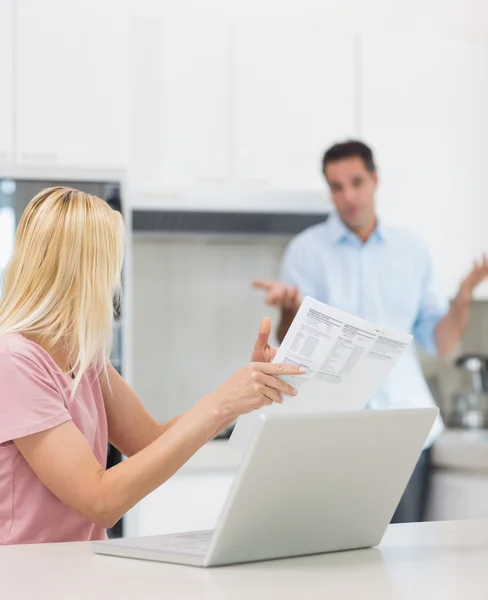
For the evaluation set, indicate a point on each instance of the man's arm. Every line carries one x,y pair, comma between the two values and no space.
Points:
297,279
282,296
452,327
287,316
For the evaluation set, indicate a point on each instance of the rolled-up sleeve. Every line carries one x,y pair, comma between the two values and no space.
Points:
433,307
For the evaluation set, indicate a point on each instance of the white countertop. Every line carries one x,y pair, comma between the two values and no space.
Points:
465,450
421,561
217,455
462,450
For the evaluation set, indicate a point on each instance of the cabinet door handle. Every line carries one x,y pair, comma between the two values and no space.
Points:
4,155
39,157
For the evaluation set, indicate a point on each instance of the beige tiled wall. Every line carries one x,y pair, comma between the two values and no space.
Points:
195,313
196,316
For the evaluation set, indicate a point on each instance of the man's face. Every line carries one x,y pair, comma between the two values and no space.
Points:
352,188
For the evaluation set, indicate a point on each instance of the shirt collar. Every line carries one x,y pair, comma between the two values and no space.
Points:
340,233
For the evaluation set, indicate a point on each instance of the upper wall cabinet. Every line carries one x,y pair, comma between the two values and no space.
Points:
179,103
293,95
6,70
72,83
424,110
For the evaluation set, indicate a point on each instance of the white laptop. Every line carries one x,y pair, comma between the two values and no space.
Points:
307,484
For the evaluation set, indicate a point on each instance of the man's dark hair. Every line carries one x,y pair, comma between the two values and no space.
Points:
350,149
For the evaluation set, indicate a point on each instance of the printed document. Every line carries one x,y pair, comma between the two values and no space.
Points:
347,359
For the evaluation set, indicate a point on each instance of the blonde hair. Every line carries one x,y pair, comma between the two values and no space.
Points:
63,277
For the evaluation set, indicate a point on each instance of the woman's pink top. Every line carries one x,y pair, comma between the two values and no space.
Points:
34,397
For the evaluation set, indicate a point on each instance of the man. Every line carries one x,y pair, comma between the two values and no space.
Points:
384,274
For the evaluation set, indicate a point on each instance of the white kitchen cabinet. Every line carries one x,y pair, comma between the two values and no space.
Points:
293,95
459,484
6,89
424,112
72,83
458,495
179,104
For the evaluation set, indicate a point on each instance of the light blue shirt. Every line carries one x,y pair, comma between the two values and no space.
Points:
388,280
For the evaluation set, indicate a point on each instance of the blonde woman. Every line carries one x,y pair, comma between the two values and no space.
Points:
60,399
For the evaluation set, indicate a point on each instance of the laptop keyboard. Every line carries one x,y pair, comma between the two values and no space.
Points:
190,542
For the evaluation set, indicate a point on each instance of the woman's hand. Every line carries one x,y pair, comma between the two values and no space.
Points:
262,351
252,387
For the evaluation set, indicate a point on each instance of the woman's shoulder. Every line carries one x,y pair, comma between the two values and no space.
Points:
16,343
26,366
15,348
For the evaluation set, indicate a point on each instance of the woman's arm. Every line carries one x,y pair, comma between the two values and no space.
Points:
131,428
64,462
